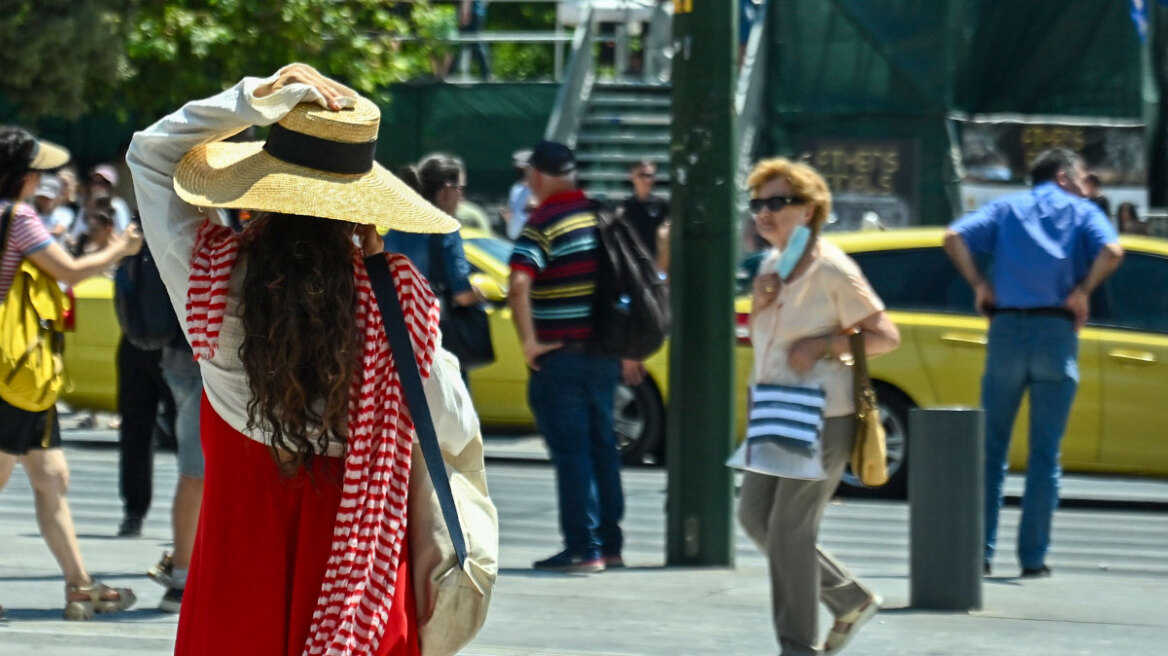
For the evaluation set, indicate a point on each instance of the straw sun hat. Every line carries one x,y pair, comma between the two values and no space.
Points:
315,162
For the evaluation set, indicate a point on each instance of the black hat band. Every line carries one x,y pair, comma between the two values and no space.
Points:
320,154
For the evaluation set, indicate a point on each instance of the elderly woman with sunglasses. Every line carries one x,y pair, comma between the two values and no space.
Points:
808,298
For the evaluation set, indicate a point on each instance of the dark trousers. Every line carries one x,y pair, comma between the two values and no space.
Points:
140,390
572,398
477,50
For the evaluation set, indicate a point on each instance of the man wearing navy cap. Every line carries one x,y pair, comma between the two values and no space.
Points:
571,386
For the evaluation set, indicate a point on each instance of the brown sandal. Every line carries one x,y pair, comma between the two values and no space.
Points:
82,602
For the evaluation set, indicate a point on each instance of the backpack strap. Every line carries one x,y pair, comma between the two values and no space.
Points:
6,227
393,319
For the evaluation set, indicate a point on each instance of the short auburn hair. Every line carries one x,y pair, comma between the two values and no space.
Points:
806,183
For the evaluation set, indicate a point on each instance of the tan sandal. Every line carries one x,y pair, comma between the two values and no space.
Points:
162,572
837,640
82,602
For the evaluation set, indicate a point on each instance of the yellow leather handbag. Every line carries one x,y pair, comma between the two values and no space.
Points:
869,452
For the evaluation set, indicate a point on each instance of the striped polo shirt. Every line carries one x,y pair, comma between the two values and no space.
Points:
558,248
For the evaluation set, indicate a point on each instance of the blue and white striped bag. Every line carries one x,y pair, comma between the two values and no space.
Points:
789,414
783,431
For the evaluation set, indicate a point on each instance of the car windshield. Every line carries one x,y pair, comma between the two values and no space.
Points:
496,248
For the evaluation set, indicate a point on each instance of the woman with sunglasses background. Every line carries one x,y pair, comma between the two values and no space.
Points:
441,180
808,297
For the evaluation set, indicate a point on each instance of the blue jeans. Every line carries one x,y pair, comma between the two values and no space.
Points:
572,398
1039,354
186,386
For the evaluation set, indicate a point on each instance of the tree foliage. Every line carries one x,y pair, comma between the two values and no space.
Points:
522,61
186,48
65,58
61,57
149,56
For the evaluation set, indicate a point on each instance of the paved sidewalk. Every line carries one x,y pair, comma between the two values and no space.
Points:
1108,595
654,611
1076,490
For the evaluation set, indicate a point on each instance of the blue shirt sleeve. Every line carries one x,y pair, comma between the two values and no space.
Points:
457,269
1096,231
979,228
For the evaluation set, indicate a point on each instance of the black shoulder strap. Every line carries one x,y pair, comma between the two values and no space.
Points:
6,226
407,369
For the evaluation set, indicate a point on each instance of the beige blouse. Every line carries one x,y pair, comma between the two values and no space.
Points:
829,297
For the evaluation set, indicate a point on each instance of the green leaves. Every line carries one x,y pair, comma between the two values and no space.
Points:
61,57
65,58
150,56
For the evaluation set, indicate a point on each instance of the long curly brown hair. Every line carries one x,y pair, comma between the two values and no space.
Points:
301,344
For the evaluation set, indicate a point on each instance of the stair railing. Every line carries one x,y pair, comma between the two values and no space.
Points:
572,98
748,98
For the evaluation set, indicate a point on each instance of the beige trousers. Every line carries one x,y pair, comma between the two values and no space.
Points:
781,516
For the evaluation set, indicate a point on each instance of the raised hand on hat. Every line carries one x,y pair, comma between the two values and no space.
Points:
336,96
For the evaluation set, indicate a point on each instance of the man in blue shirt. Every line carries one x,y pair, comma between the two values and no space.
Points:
1049,249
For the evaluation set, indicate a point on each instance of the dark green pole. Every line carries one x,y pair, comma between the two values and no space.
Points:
702,246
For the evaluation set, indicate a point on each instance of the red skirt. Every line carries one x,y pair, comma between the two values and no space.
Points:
260,554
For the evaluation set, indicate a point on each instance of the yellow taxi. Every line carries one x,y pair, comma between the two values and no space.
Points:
1118,422
500,389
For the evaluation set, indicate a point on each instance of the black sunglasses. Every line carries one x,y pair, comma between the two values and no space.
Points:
774,203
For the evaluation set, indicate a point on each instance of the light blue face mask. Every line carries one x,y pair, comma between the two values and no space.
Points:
791,255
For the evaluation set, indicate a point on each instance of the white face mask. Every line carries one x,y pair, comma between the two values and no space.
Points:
790,256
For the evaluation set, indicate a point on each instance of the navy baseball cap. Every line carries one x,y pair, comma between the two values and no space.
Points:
552,158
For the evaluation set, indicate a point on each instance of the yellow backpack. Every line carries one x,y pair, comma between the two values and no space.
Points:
32,339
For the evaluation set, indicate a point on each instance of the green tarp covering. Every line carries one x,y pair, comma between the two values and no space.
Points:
483,124
871,71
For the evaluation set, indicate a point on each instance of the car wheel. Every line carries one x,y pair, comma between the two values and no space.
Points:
894,407
639,421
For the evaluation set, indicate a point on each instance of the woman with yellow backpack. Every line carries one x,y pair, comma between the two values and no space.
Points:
31,314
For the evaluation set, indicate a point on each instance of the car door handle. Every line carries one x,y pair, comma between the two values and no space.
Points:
1132,357
964,339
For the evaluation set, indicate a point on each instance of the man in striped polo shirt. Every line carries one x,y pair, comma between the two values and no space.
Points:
571,386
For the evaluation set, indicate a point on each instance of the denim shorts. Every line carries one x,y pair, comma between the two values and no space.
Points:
186,386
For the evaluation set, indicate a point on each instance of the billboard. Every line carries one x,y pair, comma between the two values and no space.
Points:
996,151
873,178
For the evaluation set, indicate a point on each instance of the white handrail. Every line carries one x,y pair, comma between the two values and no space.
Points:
564,122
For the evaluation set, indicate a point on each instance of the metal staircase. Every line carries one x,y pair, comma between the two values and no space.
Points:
621,125
614,124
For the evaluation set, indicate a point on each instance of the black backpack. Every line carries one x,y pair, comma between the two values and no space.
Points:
143,306
631,308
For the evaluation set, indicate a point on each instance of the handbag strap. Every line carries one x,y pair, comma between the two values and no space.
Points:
394,321
860,360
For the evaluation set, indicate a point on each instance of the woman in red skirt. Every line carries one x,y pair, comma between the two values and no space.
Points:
301,546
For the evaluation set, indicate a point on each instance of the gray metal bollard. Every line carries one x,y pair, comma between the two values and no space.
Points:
946,491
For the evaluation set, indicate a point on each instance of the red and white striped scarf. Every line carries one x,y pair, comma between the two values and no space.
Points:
353,608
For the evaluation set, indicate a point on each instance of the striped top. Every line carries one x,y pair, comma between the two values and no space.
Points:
558,248
26,236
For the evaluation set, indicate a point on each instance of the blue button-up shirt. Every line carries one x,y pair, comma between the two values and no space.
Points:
1042,243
